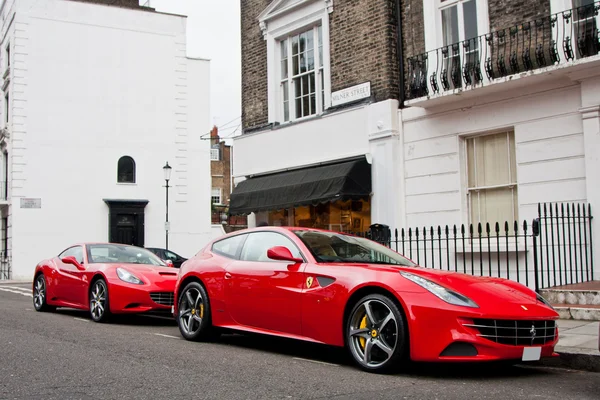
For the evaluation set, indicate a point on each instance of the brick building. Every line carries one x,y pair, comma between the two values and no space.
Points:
496,109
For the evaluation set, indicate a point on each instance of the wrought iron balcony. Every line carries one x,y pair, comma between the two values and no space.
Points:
549,41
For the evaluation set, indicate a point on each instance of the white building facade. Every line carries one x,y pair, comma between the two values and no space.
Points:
487,147
96,100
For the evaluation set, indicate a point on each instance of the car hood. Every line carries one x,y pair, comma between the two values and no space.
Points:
496,295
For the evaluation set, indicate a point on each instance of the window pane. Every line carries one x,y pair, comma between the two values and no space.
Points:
299,107
305,106
305,88
493,161
450,25
294,45
471,165
311,83
228,247
257,245
320,34
295,68
492,205
470,15
313,104
297,87
310,40
310,60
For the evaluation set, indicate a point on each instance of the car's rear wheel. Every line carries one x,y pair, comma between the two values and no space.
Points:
39,295
99,308
376,334
194,317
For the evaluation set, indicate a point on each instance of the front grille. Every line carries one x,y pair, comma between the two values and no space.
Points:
163,298
515,332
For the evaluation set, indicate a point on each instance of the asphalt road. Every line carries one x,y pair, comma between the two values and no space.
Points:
64,355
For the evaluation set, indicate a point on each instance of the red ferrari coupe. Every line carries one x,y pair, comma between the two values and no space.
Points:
342,290
104,278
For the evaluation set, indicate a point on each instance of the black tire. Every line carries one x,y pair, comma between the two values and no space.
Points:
99,302
199,314
374,338
39,293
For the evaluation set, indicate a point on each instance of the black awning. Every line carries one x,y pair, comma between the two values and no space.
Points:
342,181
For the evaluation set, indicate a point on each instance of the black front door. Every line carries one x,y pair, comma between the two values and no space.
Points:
126,221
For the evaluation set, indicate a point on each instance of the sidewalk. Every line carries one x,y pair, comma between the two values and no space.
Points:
577,346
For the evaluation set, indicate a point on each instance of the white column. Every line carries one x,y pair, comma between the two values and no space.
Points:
387,202
590,114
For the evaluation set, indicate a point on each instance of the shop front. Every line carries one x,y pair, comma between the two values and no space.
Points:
335,196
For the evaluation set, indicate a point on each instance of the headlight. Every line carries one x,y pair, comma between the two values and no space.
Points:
541,299
128,277
447,295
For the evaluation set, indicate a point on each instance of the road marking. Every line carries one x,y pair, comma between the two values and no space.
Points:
16,292
316,362
167,336
28,290
81,319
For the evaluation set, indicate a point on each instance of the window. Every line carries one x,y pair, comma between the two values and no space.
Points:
215,197
297,36
257,245
302,77
214,154
229,247
126,170
492,179
75,251
585,24
8,56
460,23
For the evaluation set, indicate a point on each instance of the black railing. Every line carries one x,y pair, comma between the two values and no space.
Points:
547,41
5,272
555,249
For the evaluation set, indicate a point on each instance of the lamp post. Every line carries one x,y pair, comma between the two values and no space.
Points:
167,171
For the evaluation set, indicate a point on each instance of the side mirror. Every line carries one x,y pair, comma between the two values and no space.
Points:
281,253
169,264
73,261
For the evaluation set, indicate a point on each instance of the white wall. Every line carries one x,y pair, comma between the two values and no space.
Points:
93,83
336,136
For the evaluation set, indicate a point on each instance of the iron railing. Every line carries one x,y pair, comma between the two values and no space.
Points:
3,190
551,40
554,249
5,270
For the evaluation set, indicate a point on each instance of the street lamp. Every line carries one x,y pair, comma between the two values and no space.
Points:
167,171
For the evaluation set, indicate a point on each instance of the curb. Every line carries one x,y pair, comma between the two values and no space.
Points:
14,282
572,358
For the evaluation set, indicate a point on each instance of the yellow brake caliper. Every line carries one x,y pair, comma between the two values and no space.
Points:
363,324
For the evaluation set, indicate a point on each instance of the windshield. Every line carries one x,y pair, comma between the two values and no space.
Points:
331,247
118,253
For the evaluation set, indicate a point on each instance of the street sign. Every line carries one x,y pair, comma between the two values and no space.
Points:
31,203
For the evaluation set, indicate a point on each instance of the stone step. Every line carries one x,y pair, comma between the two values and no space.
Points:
579,312
572,297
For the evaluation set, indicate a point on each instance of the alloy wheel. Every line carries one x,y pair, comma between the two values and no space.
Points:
39,292
373,334
98,300
191,311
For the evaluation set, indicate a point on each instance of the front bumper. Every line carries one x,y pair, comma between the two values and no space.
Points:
439,335
127,298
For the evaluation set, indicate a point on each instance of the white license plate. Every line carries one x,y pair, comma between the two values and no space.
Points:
532,353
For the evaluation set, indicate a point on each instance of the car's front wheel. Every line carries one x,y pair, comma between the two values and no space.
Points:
194,316
99,308
40,302
376,334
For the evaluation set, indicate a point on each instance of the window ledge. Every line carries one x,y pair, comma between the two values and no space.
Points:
126,183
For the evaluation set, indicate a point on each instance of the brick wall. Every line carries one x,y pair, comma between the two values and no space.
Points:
363,46
507,13
254,65
221,172
413,32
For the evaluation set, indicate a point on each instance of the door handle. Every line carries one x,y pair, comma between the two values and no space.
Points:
227,275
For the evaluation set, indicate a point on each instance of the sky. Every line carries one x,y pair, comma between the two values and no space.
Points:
213,32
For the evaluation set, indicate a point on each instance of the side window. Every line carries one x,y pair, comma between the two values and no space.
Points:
171,256
76,251
257,244
229,247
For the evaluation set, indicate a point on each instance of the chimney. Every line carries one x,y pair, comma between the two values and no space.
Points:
214,135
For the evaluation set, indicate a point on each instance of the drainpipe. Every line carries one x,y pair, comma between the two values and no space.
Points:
400,51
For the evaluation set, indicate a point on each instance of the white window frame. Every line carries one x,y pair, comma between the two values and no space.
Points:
220,195
282,19
432,15
468,190
214,154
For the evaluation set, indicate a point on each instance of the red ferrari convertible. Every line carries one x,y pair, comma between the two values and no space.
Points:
104,278
341,290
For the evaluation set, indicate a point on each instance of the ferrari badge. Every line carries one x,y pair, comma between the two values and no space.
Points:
309,282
